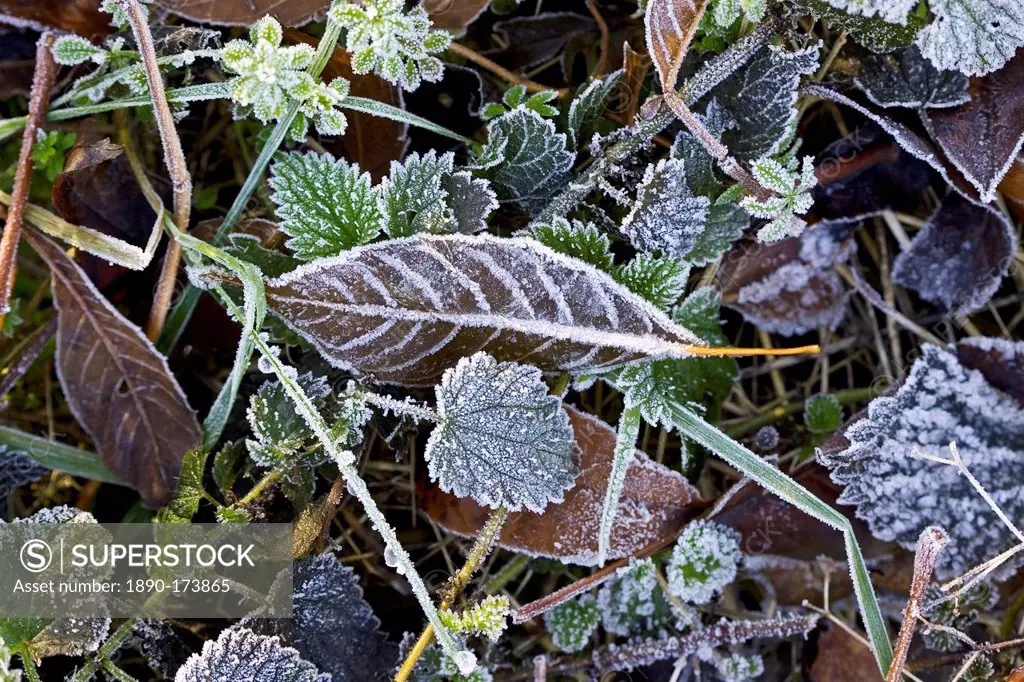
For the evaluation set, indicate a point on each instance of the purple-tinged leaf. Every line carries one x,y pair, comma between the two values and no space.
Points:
907,79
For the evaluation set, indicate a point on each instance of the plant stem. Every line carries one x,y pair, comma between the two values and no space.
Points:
260,486
116,672
501,71
112,644
174,157
42,82
29,665
625,446
481,548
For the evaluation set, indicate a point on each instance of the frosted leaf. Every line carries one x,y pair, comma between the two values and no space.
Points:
699,166
241,655
70,637
633,602
959,613
471,199
703,562
525,159
822,413
332,626
659,280
412,199
247,247
666,216
898,495
735,667
425,302
501,438
669,27
588,106
571,623
974,37
326,205
766,440
893,11
576,240
725,223
981,670
761,98
486,618
907,79
793,197
434,666
6,673
71,50
398,46
16,470
959,258
874,33
61,514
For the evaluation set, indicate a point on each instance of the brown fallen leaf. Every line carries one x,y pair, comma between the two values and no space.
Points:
220,13
1001,363
656,503
635,65
982,136
372,142
116,384
1012,187
841,658
71,16
671,25
454,15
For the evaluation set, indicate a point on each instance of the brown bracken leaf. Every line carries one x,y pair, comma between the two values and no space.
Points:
656,503
116,383
983,136
670,26
72,16
221,13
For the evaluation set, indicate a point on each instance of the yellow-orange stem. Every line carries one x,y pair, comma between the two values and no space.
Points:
710,351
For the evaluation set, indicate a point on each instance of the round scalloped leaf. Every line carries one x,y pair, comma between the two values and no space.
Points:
240,655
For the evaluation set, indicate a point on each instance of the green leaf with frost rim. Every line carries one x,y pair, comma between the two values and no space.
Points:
412,198
240,655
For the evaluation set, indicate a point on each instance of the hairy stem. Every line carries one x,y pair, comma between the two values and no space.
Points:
42,82
625,446
931,541
174,157
481,548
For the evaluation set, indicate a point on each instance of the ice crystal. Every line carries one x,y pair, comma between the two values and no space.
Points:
516,96
6,673
974,37
659,280
793,197
398,46
893,11
666,216
959,613
704,561
501,438
487,618
412,198
525,158
735,667
899,494
578,240
332,626
241,655
325,204
822,413
16,469
633,602
268,77
571,623
70,50
907,79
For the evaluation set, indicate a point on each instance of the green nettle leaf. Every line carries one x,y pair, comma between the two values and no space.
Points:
501,438
525,158
633,602
577,240
412,198
956,614
974,37
326,205
232,515
725,223
654,386
71,50
907,79
240,655
227,464
666,217
488,618
736,667
874,33
471,199
571,623
704,561
822,414
247,247
699,167
659,280
588,106
893,11
185,502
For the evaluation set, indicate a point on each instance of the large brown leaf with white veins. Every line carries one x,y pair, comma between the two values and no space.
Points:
117,385
656,503
670,26
405,310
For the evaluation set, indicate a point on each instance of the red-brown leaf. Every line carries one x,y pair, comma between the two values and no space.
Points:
73,16
670,27
454,15
221,13
656,503
116,384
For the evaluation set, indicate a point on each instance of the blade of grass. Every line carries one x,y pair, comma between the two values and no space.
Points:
58,456
773,480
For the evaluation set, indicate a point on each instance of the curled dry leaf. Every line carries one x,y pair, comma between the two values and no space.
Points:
656,503
789,287
983,136
959,257
533,40
71,16
454,15
670,26
422,303
218,13
116,383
